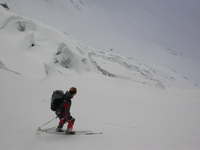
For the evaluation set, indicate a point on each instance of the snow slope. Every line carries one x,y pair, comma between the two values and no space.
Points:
124,103
52,47
156,31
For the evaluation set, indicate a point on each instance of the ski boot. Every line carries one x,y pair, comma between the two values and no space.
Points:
70,131
59,128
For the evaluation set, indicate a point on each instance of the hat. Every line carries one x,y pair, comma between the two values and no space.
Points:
72,90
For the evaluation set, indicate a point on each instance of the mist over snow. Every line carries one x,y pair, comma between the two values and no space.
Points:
137,105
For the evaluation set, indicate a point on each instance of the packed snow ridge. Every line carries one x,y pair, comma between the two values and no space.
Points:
30,43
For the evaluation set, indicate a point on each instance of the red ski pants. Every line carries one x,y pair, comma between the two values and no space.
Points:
70,120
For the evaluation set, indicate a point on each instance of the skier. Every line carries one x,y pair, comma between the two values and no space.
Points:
63,112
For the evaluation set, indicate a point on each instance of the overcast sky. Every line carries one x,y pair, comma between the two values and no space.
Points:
171,22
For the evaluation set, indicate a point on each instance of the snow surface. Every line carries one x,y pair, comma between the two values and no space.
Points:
135,105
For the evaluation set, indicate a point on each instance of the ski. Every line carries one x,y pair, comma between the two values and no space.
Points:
79,132
87,133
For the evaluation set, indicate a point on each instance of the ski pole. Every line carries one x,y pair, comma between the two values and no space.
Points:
39,128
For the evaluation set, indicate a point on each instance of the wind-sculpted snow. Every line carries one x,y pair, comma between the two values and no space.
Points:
64,55
2,66
38,46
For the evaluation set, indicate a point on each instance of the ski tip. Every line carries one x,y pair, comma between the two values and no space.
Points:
91,133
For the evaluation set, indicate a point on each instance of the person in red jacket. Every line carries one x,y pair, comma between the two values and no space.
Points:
63,112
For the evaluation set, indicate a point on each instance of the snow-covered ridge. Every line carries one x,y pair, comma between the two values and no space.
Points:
37,48
145,30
